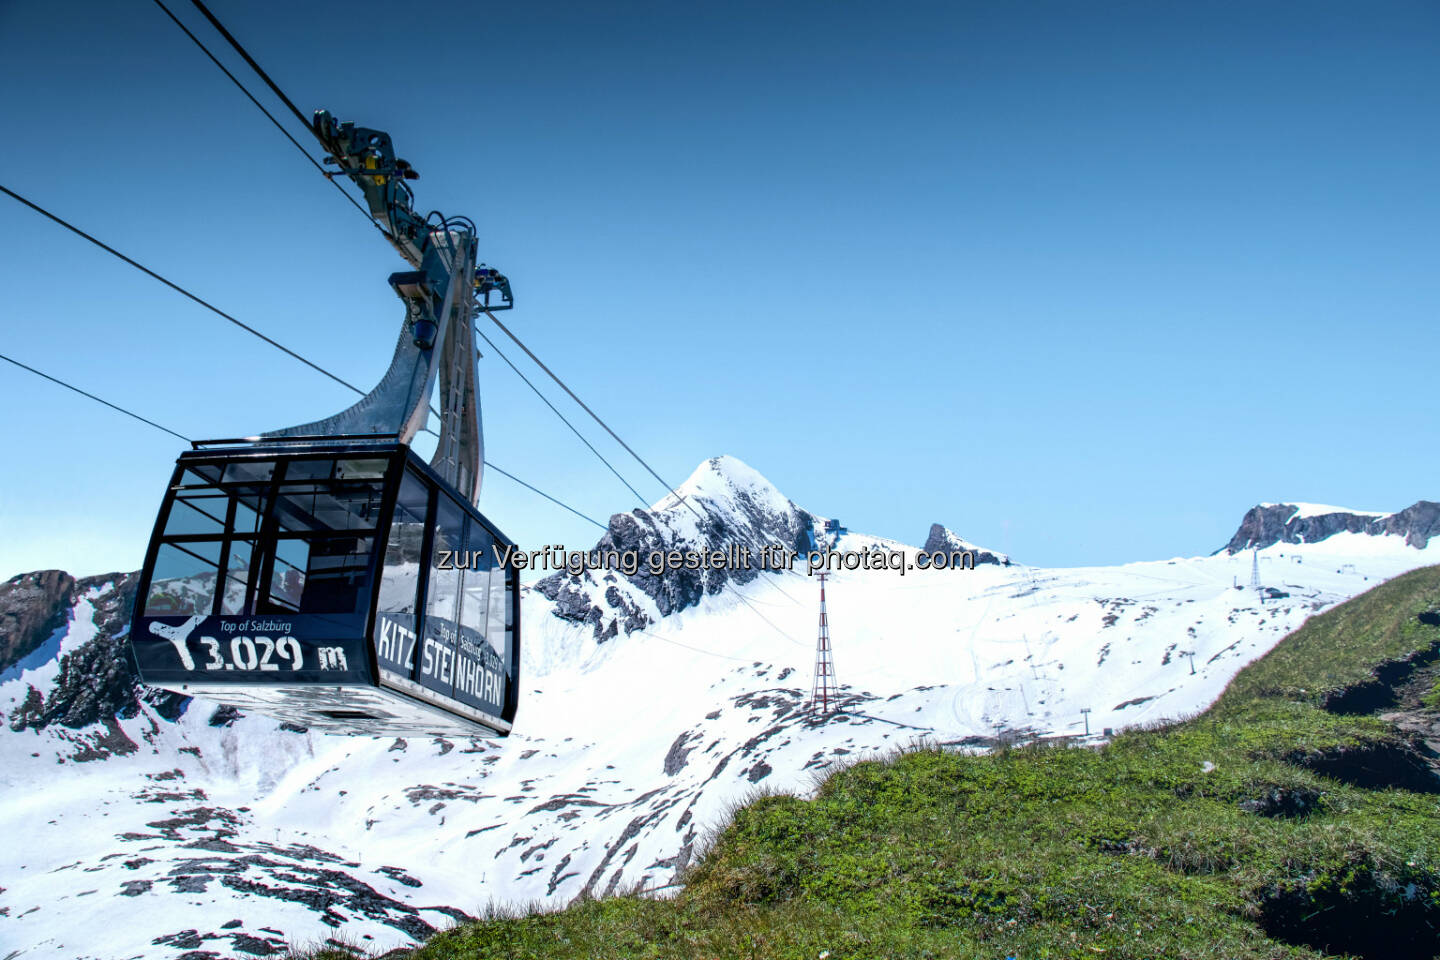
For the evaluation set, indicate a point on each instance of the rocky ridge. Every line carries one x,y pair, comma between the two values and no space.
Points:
97,681
33,606
1270,523
944,540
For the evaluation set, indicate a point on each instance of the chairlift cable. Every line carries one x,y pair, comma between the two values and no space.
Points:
319,369
695,649
240,49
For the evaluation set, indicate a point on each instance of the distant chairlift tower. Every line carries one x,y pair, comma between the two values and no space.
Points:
823,692
1255,573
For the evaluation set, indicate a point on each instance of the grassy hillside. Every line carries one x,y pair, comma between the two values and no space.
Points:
1287,821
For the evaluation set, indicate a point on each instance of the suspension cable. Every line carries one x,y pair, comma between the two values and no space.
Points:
181,436
274,87
545,495
557,413
679,499
83,393
593,415
278,126
247,328
319,369
251,61
687,646
177,288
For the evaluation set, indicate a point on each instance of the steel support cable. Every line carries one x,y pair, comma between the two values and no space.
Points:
177,288
607,463
181,436
251,61
545,495
695,649
275,88
593,415
246,327
278,126
83,393
563,419
638,458
741,598
319,369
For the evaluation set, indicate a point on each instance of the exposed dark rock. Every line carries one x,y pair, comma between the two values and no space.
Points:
1379,691
32,607
224,715
253,945
679,860
679,753
612,850
1359,911
28,714
184,940
730,509
98,681
1401,761
1273,523
399,876
557,876
103,744
943,540
1290,802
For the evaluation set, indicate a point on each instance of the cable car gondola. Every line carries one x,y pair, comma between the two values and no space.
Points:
325,574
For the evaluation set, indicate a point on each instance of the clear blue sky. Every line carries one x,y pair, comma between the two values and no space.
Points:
1081,281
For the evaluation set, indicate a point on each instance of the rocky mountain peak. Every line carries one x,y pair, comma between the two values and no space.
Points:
725,479
724,504
944,540
1267,524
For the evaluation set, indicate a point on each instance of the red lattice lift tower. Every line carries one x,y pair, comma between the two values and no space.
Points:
823,692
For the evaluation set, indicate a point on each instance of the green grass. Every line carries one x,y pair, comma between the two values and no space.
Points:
1137,850
1343,645
1431,700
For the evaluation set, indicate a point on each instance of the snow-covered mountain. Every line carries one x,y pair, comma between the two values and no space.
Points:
141,824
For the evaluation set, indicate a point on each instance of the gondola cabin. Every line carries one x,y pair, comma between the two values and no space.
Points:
335,584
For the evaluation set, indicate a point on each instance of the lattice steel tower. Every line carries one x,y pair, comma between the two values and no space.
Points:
824,691
1255,573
